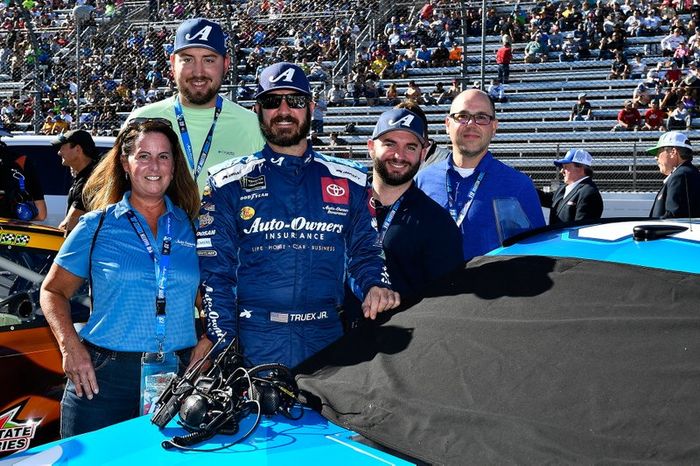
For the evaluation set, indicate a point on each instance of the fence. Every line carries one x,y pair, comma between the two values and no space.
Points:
100,61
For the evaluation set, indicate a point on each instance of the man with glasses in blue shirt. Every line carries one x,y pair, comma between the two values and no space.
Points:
279,229
468,182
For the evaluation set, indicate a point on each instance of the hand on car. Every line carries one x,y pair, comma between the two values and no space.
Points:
379,299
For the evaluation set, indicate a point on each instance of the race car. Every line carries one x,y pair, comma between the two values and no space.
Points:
576,344
30,361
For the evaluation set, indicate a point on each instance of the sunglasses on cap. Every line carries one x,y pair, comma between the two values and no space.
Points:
272,101
136,122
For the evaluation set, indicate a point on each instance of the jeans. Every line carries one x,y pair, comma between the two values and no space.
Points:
118,378
503,73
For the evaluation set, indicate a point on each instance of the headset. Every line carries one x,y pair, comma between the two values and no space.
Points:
216,401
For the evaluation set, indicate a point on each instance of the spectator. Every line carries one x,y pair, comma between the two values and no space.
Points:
638,69
392,95
533,50
604,51
681,56
441,55
471,163
336,96
581,111
628,119
641,95
619,69
654,117
680,191
335,140
320,108
503,57
423,57
569,51
497,91
679,118
578,198
671,42
414,93
651,24
455,54
371,93
401,66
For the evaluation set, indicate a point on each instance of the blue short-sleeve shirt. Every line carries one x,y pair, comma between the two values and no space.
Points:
124,278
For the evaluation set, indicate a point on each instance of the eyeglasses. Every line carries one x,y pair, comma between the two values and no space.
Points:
136,122
481,119
272,101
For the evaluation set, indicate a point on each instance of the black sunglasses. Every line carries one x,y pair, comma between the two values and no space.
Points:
136,122
272,101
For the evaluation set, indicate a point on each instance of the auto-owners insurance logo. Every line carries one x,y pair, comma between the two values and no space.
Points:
335,190
15,435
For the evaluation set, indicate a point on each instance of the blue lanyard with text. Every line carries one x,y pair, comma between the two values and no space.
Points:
452,202
187,143
162,272
381,232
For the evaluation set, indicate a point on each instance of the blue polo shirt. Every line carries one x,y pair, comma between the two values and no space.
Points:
479,230
124,278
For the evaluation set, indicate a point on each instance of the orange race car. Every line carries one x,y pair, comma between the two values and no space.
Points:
30,361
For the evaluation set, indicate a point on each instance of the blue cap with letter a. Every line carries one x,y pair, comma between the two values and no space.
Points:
283,75
400,119
200,32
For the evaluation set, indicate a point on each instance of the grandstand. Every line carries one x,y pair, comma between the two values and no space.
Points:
123,50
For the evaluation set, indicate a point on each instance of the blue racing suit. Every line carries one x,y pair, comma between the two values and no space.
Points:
276,233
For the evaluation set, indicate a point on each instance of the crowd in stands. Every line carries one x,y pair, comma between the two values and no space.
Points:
128,67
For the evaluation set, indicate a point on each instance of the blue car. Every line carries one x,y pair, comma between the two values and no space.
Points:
578,344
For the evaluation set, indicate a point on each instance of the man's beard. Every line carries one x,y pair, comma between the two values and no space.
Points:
197,98
394,179
285,138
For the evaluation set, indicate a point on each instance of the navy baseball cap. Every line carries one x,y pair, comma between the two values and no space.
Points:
283,75
200,32
400,119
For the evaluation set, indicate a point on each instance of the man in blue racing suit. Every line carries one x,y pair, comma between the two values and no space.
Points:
279,229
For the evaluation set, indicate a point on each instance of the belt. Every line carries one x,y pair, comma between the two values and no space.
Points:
127,354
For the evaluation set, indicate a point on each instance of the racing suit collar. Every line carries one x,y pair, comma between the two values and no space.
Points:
288,161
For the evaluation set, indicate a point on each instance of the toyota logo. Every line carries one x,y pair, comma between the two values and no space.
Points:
335,190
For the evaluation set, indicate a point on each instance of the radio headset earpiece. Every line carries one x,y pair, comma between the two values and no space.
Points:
275,391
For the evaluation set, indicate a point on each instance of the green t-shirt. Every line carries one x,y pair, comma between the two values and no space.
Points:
237,132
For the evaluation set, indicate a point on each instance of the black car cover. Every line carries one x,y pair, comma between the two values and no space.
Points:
526,360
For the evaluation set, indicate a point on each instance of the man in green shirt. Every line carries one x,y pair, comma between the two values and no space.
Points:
212,129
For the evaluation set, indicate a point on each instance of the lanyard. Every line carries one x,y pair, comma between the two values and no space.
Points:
452,201
381,232
187,143
161,272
